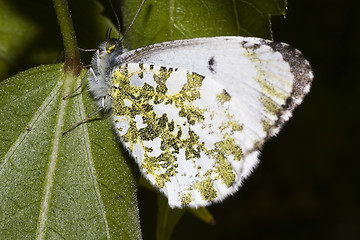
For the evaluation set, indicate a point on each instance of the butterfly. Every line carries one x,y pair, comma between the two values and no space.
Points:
195,113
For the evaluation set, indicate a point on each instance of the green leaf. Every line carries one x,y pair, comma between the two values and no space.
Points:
17,32
30,35
76,186
203,214
167,218
162,20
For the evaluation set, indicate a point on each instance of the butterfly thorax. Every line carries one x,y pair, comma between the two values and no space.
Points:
104,61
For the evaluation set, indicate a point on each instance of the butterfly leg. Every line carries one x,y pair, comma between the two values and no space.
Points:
101,105
82,82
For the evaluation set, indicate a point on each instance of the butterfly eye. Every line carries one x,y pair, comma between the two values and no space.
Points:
110,48
111,45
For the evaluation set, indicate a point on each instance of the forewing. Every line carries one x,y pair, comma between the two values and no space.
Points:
246,67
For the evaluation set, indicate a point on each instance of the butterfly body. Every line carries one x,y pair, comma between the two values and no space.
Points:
194,113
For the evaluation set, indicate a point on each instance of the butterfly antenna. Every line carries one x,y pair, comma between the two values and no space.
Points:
116,16
137,13
107,33
110,33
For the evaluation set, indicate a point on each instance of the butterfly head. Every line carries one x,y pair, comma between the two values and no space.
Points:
112,44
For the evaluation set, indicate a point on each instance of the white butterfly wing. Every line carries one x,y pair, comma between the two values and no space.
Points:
249,90
245,66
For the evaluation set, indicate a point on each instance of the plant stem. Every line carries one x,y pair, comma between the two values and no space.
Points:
73,63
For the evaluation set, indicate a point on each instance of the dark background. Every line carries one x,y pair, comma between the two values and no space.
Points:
307,184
